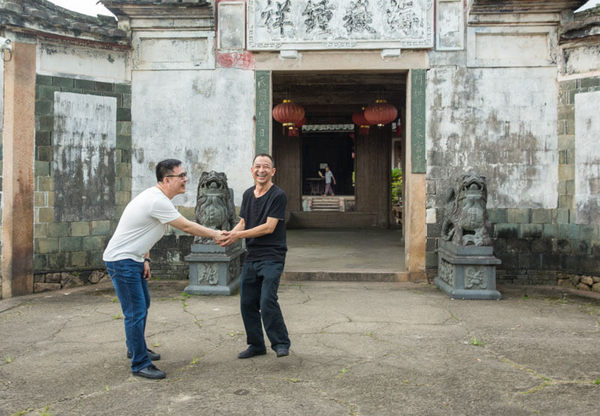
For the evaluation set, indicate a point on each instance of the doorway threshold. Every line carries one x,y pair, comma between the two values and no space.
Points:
366,254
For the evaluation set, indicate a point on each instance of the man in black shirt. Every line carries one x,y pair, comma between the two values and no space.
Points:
262,224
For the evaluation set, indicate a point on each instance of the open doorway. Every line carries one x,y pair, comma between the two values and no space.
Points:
360,161
333,151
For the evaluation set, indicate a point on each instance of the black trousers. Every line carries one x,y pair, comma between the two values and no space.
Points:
259,283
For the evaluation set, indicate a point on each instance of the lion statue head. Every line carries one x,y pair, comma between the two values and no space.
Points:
214,206
465,219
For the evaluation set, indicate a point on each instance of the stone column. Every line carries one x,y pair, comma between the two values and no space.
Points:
17,172
415,232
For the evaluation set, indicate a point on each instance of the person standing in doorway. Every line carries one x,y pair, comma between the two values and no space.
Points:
127,256
328,179
262,224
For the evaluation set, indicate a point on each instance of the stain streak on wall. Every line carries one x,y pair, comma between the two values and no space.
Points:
500,122
84,156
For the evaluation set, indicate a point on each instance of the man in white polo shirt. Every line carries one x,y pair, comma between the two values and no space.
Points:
127,256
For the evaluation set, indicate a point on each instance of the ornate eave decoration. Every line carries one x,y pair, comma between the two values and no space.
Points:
339,24
328,128
524,6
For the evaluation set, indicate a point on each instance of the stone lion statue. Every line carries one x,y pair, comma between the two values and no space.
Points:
465,218
214,206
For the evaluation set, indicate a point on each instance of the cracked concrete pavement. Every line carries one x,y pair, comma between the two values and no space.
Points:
358,348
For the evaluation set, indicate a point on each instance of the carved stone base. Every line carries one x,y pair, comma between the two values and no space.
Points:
214,270
467,272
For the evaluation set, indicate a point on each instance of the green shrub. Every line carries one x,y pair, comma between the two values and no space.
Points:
396,185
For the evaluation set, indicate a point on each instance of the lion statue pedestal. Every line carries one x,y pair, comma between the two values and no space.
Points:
214,270
466,262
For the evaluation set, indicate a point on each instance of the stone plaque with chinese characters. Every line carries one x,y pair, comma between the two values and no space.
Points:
339,24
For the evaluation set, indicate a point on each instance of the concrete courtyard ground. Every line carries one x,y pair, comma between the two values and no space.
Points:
358,348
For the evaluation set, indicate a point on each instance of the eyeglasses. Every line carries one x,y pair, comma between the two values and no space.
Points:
182,175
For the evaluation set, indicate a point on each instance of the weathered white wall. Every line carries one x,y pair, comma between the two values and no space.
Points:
581,59
83,62
84,137
501,122
204,118
587,158
449,25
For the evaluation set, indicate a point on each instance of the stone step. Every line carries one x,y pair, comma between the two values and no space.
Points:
346,276
325,205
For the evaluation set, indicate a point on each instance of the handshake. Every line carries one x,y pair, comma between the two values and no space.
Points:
225,238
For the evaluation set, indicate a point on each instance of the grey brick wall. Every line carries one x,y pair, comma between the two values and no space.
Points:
74,245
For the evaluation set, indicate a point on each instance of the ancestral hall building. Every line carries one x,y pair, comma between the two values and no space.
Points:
507,88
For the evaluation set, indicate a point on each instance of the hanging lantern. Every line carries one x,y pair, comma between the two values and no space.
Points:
363,125
295,129
381,113
288,113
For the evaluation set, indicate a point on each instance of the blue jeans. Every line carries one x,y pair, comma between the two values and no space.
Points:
259,283
132,290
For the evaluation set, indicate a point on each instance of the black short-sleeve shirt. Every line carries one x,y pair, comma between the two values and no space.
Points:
255,211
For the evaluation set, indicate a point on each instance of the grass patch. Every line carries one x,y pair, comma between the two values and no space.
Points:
477,342
342,372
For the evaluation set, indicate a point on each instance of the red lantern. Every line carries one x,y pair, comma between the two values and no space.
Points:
381,113
363,125
295,129
288,113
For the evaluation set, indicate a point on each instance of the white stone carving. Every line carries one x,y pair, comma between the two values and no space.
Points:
339,24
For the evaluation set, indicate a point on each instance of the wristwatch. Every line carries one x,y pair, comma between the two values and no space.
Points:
147,259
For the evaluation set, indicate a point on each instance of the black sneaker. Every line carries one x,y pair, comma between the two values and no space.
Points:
150,372
251,352
154,356
282,352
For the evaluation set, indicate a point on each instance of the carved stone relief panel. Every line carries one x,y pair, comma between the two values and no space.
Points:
446,272
475,277
339,24
207,274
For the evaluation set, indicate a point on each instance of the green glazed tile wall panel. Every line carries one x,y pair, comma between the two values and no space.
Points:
263,111
418,84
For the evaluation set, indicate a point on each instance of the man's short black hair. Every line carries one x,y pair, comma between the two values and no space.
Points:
165,167
264,155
